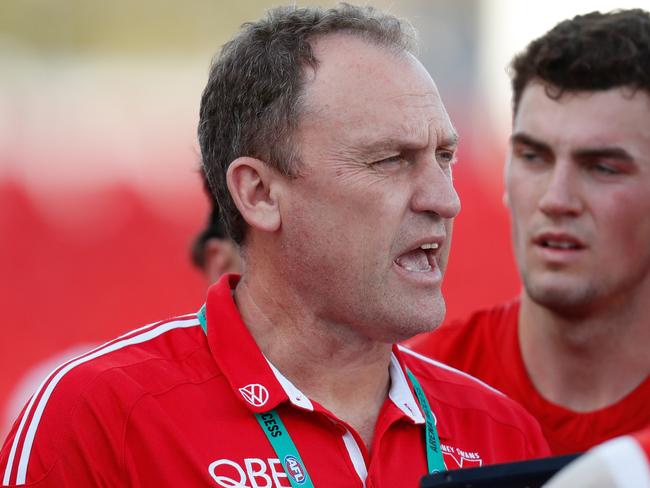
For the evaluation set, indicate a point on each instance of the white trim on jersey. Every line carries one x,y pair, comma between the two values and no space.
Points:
355,456
154,330
448,368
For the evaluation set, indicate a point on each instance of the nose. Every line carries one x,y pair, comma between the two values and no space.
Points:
435,192
560,191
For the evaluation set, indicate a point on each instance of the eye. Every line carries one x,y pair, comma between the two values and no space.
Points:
391,163
396,159
446,156
605,169
528,155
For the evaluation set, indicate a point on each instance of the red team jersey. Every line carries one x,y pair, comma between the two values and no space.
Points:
487,346
165,405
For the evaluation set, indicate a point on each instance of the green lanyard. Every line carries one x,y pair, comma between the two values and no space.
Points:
287,451
435,463
202,320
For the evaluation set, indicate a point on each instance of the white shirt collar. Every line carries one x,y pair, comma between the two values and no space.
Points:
400,392
297,397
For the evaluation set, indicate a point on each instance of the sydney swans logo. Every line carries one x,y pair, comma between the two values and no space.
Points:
255,394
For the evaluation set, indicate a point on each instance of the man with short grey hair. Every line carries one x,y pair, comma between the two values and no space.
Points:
330,152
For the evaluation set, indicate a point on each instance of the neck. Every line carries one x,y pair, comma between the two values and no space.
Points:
332,364
584,363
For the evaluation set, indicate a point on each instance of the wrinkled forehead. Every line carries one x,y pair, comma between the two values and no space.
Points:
366,87
350,64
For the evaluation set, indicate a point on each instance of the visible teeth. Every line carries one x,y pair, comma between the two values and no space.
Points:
417,270
560,244
431,245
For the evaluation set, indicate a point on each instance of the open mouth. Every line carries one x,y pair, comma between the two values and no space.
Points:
420,260
559,242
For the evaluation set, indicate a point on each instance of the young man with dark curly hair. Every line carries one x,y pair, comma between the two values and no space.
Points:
574,347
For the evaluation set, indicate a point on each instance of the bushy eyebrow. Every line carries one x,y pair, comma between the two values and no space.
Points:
372,146
450,140
526,140
604,152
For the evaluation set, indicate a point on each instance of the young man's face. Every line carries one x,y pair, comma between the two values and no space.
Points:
368,222
578,187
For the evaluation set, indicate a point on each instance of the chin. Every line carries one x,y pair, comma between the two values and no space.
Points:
402,326
566,297
424,322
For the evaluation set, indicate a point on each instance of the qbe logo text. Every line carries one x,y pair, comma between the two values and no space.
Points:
252,473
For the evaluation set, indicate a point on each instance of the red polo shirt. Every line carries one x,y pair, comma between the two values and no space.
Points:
167,406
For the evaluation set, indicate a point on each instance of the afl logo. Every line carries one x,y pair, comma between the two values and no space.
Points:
294,469
255,394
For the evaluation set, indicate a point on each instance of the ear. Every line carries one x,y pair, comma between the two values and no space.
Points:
252,184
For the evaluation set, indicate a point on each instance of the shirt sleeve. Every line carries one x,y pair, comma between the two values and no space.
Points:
69,440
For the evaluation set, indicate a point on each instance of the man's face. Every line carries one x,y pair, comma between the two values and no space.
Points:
578,187
369,218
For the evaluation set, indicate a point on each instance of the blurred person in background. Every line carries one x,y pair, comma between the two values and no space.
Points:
573,348
623,462
213,252
330,153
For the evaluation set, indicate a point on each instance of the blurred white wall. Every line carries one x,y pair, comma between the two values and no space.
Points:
506,27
